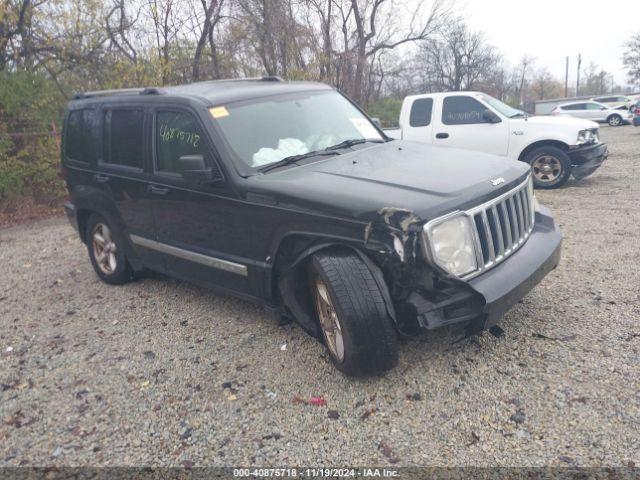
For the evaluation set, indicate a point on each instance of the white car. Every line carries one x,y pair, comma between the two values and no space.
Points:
614,101
554,147
594,111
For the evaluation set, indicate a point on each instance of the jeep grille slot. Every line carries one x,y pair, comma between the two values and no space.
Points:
502,225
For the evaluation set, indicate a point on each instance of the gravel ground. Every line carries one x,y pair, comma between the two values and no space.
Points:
160,372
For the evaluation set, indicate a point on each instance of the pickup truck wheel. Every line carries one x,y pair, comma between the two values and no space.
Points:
106,251
352,315
550,167
614,120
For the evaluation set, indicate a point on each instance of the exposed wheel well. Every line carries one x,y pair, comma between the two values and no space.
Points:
291,266
542,143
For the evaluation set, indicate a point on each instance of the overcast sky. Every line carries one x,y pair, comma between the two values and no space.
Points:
551,30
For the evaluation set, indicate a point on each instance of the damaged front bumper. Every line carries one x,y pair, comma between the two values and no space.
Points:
586,160
483,300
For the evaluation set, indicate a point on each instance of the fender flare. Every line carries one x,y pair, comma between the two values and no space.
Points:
96,203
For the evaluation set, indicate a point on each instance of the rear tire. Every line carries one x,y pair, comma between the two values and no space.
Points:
106,250
352,301
614,120
550,167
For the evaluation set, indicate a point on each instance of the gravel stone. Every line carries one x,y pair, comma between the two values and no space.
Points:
82,388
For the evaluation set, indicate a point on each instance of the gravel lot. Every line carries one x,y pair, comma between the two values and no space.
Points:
160,372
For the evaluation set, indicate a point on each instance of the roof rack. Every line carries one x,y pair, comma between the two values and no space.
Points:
119,91
268,78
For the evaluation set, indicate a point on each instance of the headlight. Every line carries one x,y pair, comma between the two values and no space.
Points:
585,136
451,245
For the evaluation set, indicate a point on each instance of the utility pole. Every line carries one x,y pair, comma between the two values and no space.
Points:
566,79
578,78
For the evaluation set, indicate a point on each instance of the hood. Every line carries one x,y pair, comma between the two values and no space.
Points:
557,121
429,181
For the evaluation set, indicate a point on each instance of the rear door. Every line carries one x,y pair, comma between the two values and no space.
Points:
201,227
121,171
417,125
462,125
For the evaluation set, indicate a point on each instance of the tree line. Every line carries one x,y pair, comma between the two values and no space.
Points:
376,51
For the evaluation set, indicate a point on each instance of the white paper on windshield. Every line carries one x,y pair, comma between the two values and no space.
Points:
365,128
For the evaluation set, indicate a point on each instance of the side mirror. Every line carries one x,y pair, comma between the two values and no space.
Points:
194,169
377,122
490,117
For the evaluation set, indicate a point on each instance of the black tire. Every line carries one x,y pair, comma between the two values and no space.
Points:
369,338
555,157
614,120
122,273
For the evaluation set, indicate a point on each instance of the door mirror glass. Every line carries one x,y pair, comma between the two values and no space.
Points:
490,116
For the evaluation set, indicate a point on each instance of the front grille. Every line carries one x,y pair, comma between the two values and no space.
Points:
502,225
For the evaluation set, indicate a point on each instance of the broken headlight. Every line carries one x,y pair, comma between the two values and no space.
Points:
587,136
450,244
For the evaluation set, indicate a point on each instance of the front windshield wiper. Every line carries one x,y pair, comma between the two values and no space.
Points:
351,142
326,151
295,158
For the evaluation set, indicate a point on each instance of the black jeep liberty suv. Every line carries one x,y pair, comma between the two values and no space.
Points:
287,194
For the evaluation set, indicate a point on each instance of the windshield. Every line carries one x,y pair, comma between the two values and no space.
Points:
267,130
502,107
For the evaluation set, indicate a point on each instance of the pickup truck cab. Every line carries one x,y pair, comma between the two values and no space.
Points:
555,147
288,195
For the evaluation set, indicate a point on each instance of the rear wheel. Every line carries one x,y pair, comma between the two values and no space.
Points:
550,167
352,314
614,120
106,251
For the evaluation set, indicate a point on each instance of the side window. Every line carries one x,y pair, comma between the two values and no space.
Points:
420,115
575,106
593,106
79,139
122,137
462,110
177,134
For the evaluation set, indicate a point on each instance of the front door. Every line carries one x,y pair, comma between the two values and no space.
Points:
200,227
462,125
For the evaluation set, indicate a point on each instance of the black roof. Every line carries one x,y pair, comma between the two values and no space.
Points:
216,92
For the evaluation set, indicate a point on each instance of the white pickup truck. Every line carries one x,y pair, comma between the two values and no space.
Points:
555,147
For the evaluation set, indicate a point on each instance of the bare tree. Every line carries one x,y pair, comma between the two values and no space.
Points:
631,59
457,59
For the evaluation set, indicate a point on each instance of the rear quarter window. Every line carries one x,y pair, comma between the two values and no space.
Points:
79,136
420,115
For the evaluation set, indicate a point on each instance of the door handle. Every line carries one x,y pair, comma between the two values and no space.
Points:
157,190
101,178
442,135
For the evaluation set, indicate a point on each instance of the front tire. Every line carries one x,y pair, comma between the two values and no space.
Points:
106,251
352,315
614,120
550,167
